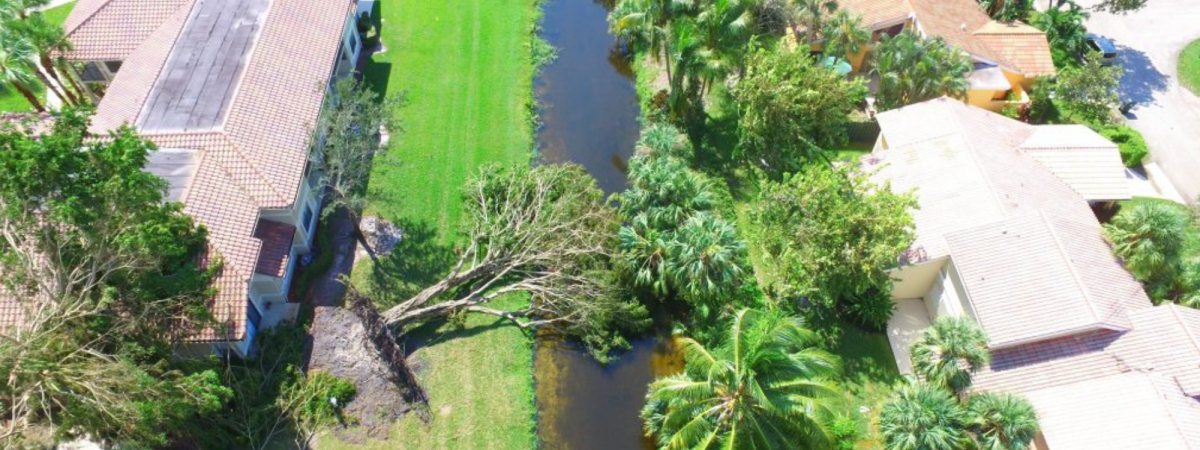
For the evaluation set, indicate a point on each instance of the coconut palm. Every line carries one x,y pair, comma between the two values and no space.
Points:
16,67
950,352
1001,421
1065,31
703,258
922,417
646,25
723,29
845,35
764,387
47,39
811,14
913,69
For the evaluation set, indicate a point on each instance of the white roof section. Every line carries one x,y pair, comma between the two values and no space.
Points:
1039,276
1134,410
989,79
177,166
1083,159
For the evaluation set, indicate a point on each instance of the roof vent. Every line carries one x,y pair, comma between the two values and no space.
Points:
964,26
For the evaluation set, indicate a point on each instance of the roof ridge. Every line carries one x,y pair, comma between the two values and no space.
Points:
1174,308
249,162
91,15
975,160
1070,266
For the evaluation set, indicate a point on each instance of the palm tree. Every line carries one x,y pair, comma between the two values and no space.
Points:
912,69
1065,31
950,352
1149,238
16,67
811,14
922,417
1001,421
763,388
845,35
47,38
723,29
1006,10
647,24
704,257
644,250
666,191
662,140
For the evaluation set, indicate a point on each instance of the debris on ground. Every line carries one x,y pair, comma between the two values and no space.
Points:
380,234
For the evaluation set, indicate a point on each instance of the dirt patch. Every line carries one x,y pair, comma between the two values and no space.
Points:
343,351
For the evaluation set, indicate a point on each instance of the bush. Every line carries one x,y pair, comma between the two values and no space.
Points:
1133,146
1159,242
1042,109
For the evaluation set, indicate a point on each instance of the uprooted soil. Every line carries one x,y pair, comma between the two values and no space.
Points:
341,349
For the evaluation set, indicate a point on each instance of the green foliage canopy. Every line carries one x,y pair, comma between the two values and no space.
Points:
913,69
1090,91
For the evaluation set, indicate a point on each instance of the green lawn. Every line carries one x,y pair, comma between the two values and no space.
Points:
466,70
13,101
1189,66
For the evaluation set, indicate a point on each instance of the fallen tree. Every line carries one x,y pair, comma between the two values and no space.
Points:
547,232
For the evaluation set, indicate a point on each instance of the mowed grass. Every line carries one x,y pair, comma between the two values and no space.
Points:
13,101
466,71
1189,66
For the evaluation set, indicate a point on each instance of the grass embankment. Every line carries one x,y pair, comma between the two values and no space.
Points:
466,69
13,101
1189,67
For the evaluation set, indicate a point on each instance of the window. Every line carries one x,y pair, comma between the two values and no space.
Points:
306,219
91,73
113,66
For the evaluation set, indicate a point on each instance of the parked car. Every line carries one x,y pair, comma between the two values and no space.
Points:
1108,51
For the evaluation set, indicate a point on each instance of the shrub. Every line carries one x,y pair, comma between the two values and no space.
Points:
1157,240
1042,109
1132,145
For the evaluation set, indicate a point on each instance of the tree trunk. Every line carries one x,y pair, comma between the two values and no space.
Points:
50,85
80,90
29,96
48,66
667,60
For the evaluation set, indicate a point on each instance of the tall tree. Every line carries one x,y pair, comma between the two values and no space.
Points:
767,386
1007,10
1091,91
812,14
16,67
922,417
845,35
347,142
104,273
833,234
950,352
1149,236
913,69
1001,421
47,39
544,231
790,109
646,24
1065,31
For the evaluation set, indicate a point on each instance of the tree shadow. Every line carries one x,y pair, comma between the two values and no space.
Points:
435,332
1141,81
420,259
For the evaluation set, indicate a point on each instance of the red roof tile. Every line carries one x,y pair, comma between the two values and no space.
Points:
276,247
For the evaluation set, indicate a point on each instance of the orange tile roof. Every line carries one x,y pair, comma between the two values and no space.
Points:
256,159
112,29
276,240
963,24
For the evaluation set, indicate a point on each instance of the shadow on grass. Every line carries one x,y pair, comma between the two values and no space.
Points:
435,332
420,259
866,356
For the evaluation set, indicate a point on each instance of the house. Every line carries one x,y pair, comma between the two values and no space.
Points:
1008,57
229,91
1006,238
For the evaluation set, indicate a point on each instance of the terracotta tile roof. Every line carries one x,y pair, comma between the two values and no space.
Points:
113,29
1018,45
276,247
1037,276
1086,161
963,164
963,24
12,311
255,159
1120,412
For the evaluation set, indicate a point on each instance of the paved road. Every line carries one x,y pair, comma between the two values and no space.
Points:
1167,114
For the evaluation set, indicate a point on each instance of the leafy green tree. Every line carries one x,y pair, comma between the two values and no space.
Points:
812,14
1149,237
922,417
16,67
1007,10
950,352
913,69
845,35
1065,31
1091,91
704,257
1001,421
646,24
105,274
833,234
1118,6
346,143
790,108
768,386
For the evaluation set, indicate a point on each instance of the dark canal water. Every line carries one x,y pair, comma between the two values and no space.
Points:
589,113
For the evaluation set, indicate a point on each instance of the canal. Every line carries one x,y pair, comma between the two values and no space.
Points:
589,112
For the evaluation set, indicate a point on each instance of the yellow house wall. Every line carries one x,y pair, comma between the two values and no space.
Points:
1019,84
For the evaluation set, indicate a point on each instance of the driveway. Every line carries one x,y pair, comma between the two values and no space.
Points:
1167,114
